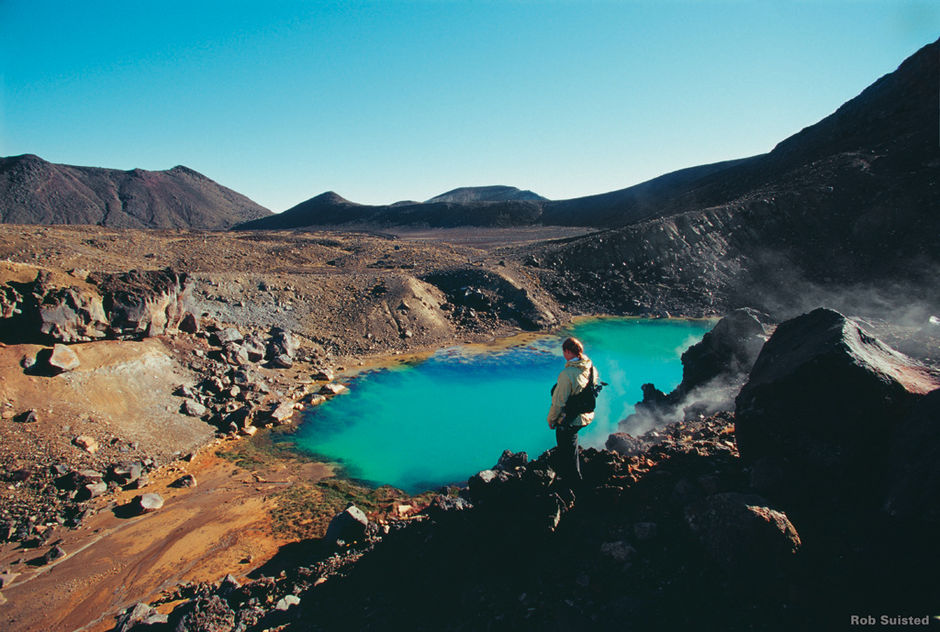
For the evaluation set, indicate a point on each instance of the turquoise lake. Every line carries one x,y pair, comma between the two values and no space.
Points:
422,425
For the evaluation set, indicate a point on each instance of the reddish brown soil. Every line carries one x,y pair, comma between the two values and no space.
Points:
201,534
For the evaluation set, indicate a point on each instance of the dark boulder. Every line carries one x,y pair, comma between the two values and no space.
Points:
510,460
186,480
824,397
254,347
742,533
236,354
189,324
282,361
350,525
53,554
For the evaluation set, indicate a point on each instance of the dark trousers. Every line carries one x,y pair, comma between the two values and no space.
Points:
567,463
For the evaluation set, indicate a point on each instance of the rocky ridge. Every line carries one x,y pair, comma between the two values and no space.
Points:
33,191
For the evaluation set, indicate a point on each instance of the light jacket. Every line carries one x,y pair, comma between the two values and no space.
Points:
572,380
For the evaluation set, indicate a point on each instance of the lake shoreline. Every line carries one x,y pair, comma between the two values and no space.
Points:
457,364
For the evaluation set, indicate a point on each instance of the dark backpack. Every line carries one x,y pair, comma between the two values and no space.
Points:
583,402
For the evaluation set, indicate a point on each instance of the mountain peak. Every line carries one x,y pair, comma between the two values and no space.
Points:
34,191
329,197
491,193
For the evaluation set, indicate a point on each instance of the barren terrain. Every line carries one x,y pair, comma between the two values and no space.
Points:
354,299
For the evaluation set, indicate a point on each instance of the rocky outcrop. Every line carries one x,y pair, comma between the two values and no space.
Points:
824,398
144,303
713,371
477,297
70,308
69,314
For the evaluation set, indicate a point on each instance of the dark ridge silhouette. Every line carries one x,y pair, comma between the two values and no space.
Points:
496,193
34,191
330,209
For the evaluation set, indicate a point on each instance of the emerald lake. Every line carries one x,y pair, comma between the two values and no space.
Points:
425,424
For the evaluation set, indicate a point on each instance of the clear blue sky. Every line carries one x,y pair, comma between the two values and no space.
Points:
384,101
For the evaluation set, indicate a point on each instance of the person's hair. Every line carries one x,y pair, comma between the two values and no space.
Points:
573,345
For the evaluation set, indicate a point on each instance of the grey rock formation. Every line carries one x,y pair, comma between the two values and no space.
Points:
139,616
63,359
144,303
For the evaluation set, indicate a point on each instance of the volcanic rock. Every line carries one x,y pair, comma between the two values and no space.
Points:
229,334
713,371
236,354
146,503
281,342
624,443
729,350
189,324
63,359
333,388
193,408
87,443
125,473
207,614
69,314
254,348
144,303
509,460
347,526
282,361
186,480
286,602
324,375
283,412
822,397
140,615
619,550
742,533
93,490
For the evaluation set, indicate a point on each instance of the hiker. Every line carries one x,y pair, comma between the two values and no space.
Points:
578,373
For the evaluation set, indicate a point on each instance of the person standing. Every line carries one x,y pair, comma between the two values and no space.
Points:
578,373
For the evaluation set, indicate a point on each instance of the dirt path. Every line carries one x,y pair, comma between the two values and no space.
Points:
201,534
